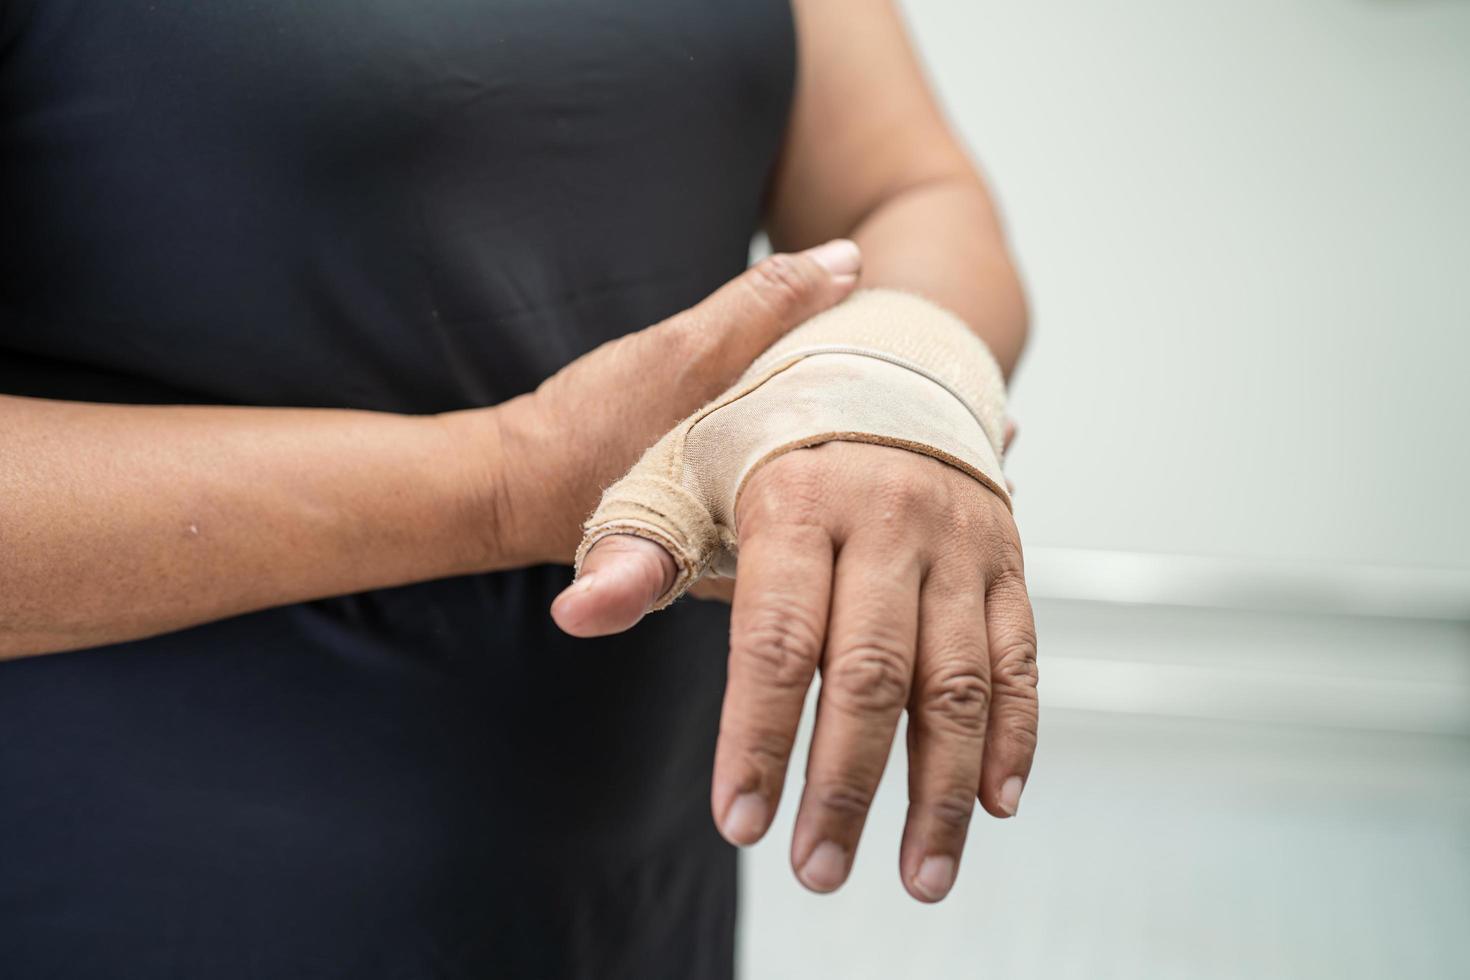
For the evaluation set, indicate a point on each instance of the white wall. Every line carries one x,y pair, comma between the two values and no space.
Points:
1152,849
1246,229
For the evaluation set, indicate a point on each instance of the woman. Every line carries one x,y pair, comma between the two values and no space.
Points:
312,718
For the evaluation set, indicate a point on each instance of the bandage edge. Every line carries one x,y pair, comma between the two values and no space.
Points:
872,439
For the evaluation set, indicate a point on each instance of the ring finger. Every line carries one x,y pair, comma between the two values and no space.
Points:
947,717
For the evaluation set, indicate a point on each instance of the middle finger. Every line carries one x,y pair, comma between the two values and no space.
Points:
866,673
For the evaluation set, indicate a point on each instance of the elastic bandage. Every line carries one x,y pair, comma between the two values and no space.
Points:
883,366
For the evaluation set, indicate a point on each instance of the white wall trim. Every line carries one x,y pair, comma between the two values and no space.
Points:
1140,578
1318,699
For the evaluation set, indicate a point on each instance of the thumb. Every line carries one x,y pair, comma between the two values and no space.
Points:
732,326
621,577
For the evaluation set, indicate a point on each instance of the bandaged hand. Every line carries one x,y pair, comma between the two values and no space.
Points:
880,550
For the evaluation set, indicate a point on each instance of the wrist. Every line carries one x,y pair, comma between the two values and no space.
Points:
511,485
478,490
884,367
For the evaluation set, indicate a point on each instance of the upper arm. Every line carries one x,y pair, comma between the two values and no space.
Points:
864,125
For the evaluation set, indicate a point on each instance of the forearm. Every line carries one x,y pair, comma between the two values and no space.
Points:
940,239
870,157
118,522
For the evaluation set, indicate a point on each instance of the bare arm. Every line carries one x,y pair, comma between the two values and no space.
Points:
122,521
869,156
118,522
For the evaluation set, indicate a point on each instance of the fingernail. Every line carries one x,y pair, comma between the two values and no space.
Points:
746,819
825,869
935,877
1010,795
840,256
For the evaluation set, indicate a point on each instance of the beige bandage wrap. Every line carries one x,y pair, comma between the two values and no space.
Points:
882,367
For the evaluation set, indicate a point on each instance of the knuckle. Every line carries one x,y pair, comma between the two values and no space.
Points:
906,490
761,751
1003,545
1017,703
871,677
782,643
1000,546
790,489
957,697
1017,738
1015,672
967,520
845,799
779,283
953,810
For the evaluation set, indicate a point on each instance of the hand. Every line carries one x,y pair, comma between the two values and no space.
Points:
901,579
587,424
721,589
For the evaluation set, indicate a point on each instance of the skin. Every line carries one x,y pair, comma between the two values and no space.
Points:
896,578
122,521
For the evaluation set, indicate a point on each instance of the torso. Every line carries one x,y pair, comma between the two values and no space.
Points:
406,207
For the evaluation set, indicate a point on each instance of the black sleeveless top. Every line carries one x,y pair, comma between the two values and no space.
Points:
409,206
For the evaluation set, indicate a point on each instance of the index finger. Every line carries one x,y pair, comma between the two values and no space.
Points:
777,629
